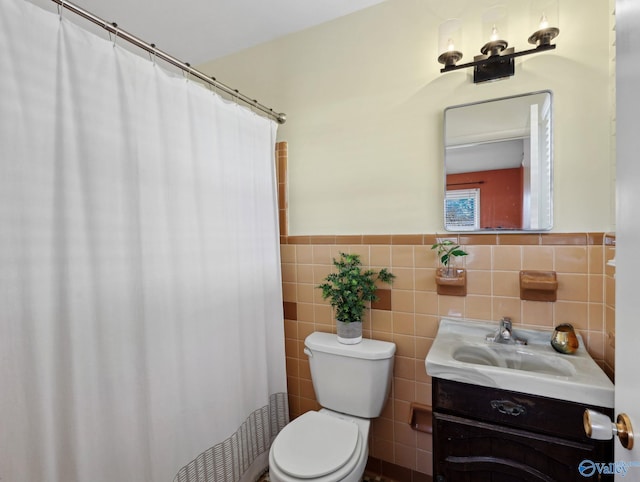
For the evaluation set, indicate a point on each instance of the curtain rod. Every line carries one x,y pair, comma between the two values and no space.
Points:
113,28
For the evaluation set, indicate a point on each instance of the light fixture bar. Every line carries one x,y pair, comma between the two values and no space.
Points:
498,58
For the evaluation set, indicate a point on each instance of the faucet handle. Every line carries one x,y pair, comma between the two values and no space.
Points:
504,332
506,322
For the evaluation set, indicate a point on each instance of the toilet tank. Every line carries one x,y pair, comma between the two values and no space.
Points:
351,379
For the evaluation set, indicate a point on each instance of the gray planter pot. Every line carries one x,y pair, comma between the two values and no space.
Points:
349,333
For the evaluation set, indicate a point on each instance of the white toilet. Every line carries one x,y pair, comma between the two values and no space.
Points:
351,384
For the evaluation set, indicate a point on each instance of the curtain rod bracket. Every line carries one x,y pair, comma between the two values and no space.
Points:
115,32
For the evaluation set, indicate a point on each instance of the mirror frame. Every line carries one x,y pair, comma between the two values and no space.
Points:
551,169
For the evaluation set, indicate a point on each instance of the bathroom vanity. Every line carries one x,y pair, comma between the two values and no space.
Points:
507,412
495,435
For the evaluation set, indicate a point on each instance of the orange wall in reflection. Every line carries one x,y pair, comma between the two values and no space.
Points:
500,195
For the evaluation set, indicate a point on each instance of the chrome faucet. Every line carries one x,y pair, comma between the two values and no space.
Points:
505,335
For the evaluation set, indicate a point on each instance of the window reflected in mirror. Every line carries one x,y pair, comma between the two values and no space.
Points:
498,164
462,209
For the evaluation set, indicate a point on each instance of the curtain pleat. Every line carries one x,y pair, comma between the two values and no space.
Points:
141,319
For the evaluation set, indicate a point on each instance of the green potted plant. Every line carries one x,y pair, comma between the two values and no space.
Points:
447,252
348,290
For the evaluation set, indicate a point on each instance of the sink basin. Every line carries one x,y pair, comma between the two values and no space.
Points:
513,357
461,352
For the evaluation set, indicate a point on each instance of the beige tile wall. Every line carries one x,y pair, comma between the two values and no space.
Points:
609,331
282,157
411,320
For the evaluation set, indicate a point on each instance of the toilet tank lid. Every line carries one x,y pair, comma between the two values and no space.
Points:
367,349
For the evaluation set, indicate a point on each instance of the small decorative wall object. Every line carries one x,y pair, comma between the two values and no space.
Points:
450,279
538,285
451,284
421,417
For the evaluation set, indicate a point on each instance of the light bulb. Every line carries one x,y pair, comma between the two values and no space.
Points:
494,34
544,23
450,46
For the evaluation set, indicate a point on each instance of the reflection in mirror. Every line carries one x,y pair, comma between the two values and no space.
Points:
498,164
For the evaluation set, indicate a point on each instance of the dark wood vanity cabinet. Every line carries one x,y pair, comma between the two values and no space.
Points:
486,434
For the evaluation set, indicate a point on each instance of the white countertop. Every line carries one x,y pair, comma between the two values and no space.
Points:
460,352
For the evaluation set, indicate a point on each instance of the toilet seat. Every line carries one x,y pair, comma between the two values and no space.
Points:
316,445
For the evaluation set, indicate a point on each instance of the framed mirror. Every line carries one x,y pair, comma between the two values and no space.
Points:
498,159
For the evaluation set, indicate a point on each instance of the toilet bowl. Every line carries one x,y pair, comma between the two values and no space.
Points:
322,446
351,383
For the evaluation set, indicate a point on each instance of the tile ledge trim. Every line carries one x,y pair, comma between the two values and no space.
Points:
511,239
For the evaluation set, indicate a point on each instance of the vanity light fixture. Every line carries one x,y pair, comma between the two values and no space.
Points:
496,61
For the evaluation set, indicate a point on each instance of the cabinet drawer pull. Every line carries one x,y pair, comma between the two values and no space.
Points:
508,408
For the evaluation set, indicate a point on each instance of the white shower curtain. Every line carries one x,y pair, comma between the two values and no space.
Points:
140,295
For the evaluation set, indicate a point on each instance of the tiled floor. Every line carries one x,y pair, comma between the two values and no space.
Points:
375,478
367,478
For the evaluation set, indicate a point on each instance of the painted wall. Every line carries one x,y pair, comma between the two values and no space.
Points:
364,99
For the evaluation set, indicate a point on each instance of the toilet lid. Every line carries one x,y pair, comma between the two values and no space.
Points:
314,445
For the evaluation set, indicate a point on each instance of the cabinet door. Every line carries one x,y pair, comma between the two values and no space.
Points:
470,451
557,418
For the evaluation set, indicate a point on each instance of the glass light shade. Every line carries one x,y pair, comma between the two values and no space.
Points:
543,12
449,35
495,24
543,21
449,41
